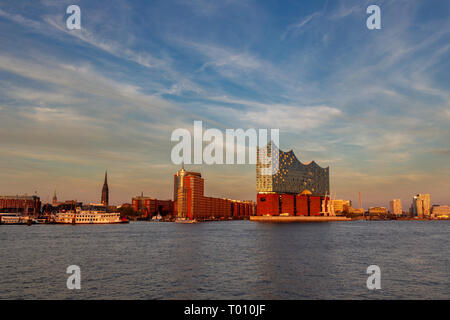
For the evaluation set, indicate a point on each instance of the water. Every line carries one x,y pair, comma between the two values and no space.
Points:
227,260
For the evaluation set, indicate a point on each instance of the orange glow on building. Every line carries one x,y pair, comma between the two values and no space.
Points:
190,202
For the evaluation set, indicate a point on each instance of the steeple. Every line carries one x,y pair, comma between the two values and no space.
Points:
105,191
55,199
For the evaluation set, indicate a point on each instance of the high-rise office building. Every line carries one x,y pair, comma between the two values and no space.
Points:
395,207
421,205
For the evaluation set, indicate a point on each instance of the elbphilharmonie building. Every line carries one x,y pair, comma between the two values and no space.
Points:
286,185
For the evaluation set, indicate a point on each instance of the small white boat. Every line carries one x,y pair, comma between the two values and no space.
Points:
157,218
184,220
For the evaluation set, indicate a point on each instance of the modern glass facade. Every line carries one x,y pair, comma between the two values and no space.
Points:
289,174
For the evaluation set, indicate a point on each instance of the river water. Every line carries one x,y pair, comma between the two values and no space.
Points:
227,260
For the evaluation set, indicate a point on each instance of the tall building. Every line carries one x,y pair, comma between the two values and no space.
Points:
188,190
395,207
105,191
288,186
191,203
289,174
421,205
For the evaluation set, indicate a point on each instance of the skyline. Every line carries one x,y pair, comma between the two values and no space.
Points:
371,104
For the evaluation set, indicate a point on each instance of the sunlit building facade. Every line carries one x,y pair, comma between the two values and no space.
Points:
286,186
439,210
289,174
191,203
395,207
377,211
421,205
340,206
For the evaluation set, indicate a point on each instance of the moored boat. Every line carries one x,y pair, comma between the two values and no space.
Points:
89,217
184,220
12,219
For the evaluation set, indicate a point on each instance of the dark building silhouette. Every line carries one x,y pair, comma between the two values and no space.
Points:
105,191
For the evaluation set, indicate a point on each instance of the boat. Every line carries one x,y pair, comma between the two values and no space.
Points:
40,221
13,219
157,218
89,217
184,220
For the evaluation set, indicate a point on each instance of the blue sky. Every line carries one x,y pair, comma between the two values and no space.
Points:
374,105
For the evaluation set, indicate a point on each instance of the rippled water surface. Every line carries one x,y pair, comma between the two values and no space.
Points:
227,260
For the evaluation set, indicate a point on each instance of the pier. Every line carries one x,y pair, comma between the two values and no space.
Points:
282,219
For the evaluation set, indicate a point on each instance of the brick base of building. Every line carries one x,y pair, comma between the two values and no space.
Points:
276,204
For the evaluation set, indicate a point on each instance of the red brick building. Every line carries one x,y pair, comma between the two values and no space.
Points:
25,205
190,202
275,204
148,206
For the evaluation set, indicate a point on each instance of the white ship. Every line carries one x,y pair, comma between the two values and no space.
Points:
10,218
89,217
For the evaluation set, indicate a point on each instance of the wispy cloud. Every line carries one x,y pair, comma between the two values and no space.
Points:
110,46
294,29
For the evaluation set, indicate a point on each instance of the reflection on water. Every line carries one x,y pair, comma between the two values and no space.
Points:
227,260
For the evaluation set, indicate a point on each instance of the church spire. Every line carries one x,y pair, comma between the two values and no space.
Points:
105,191
55,199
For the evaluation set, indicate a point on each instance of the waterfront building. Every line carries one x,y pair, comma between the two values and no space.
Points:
289,174
340,206
438,210
293,188
105,191
356,211
421,205
150,206
191,203
377,211
24,205
395,207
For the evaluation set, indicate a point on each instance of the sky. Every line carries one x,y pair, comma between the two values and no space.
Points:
373,105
